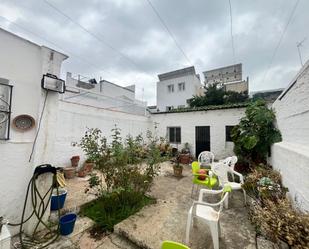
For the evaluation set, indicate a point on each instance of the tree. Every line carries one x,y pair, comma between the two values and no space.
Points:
216,95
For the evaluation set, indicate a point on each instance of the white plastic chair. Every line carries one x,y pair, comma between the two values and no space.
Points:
208,213
222,169
206,158
230,162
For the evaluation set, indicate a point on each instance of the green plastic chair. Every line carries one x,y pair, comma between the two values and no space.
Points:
209,182
173,245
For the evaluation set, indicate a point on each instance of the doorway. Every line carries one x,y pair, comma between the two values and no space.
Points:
202,139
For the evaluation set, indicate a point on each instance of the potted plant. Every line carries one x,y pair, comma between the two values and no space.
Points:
177,167
185,156
82,172
75,161
88,165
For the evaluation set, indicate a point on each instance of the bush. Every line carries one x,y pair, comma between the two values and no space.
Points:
255,133
281,221
264,183
120,163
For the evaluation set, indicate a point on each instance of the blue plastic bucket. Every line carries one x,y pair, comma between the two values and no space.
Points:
57,201
67,223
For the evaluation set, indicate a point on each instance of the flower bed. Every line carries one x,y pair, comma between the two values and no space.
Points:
272,212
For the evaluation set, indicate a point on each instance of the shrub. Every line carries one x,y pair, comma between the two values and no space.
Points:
119,163
264,183
280,221
255,133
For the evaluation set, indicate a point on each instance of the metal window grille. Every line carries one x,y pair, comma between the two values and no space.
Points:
5,109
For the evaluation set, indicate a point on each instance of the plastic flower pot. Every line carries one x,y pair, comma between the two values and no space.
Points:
67,223
57,201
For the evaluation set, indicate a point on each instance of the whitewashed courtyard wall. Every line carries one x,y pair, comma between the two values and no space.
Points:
75,118
291,156
216,119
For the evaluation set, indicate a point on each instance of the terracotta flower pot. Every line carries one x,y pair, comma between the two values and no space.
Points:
184,158
88,167
69,172
177,171
82,173
75,161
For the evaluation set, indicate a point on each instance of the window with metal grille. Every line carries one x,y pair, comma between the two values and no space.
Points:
5,108
174,134
228,130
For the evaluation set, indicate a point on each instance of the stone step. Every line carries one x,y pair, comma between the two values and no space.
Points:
122,242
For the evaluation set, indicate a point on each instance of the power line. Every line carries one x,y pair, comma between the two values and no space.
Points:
232,38
91,33
169,31
281,38
57,46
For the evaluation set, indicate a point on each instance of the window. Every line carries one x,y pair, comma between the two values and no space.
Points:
169,108
228,130
5,108
170,88
181,86
174,134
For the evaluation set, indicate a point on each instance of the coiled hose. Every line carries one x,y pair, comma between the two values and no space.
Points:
39,208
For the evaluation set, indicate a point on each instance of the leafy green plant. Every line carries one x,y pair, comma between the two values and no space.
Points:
216,95
255,133
114,207
130,165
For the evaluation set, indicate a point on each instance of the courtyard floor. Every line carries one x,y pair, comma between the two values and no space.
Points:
165,220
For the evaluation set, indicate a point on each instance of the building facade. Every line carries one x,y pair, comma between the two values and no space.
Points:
175,88
103,94
204,129
229,77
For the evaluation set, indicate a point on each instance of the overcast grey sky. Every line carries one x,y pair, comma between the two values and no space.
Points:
201,27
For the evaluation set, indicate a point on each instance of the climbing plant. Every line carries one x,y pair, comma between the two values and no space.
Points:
255,133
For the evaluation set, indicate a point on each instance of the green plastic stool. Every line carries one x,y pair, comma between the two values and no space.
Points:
173,245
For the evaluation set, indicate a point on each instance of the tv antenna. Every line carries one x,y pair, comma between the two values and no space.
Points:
299,44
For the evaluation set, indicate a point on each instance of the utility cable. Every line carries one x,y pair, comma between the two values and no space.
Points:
39,126
231,30
281,38
57,46
169,31
91,33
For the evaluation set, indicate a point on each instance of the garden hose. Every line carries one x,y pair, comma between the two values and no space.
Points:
39,209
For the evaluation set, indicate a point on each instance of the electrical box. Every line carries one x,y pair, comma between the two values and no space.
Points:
51,82
5,238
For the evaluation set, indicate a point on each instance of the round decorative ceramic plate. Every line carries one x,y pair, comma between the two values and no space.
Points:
23,122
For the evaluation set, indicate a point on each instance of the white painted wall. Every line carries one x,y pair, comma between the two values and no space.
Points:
74,119
291,156
23,63
176,98
216,119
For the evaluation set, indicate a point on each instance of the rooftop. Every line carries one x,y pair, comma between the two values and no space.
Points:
204,108
177,73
